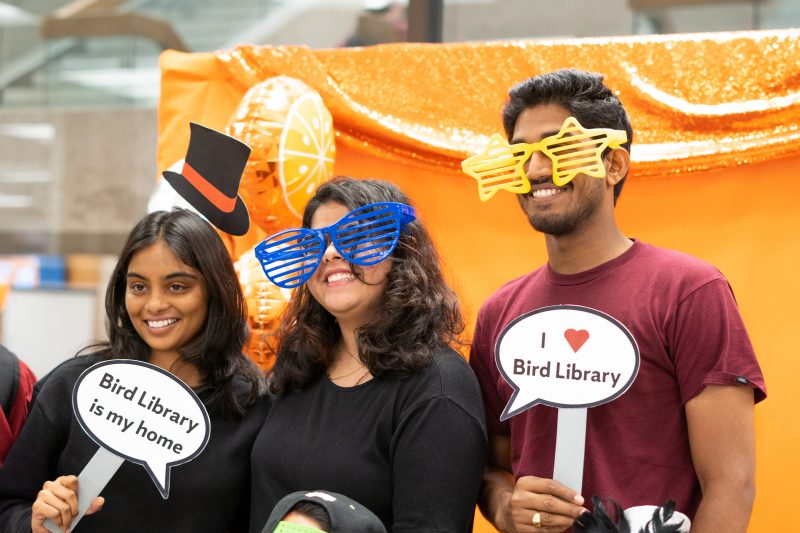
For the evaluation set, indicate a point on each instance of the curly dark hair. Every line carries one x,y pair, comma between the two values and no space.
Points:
419,313
216,351
581,93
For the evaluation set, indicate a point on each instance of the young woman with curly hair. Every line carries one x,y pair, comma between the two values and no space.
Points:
372,400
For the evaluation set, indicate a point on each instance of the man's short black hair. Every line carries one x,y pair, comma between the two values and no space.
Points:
581,93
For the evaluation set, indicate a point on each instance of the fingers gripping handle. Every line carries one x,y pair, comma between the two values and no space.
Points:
91,481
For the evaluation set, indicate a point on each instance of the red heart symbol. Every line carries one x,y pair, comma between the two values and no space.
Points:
576,338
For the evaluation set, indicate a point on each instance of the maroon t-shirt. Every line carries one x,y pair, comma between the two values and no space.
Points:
683,316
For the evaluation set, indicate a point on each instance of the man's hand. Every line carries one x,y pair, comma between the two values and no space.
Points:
514,506
545,502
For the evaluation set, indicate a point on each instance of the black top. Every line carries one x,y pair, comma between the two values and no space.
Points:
209,493
412,450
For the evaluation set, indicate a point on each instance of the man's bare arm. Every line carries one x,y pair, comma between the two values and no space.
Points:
722,439
498,484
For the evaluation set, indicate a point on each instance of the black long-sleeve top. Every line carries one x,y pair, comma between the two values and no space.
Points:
210,493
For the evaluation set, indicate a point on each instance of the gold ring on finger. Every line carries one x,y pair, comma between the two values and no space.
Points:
537,519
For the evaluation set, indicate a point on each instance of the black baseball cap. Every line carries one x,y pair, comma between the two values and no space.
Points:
346,514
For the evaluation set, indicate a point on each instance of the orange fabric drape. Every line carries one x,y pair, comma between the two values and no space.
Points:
716,160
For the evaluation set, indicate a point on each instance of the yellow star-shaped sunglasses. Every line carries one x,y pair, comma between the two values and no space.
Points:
573,150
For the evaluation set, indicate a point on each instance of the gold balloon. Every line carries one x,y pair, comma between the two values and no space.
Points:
265,303
291,134
264,306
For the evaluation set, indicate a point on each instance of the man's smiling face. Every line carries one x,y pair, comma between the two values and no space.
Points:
551,209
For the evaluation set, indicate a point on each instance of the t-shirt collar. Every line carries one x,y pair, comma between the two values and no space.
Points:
592,274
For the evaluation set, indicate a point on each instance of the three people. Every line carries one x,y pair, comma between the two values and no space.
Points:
684,430
372,400
174,301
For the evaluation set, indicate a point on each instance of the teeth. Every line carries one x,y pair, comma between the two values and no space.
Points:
340,276
161,323
545,193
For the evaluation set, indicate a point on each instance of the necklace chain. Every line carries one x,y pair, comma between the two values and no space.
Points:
365,374
346,375
360,367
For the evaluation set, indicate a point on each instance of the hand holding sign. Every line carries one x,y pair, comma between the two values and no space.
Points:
139,412
569,357
57,503
557,506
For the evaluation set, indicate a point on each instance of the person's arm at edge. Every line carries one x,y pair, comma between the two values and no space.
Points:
722,440
494,498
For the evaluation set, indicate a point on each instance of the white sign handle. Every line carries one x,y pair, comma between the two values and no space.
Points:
570,447
91,481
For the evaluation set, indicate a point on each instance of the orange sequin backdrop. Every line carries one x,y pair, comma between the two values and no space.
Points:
716,169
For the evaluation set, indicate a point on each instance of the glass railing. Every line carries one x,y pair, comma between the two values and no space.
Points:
54,54
70,100
691,16
47,62
489,20
78,111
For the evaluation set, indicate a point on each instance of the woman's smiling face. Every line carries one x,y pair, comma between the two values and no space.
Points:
166,299
349,299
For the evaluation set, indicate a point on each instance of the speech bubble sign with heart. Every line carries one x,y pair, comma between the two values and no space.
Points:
565,356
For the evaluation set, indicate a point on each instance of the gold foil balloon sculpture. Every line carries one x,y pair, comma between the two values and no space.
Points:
265,303
291,134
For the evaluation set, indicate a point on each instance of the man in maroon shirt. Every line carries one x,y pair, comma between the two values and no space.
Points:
684,428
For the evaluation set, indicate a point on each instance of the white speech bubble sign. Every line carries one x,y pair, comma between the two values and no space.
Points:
136,411
142,413
570,357
565,356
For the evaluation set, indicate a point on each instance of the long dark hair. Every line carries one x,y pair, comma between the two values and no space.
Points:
419,313
216,351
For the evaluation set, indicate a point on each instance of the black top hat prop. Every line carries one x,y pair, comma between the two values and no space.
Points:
346,514
210,178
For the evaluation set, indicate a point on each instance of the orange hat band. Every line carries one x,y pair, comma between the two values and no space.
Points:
212,194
